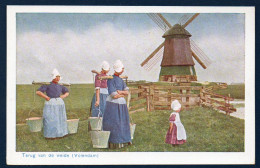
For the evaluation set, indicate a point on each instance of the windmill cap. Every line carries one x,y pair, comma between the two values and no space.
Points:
177,29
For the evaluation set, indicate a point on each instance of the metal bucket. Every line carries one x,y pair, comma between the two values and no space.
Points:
73,125
100,139
95,123
132,130
35,124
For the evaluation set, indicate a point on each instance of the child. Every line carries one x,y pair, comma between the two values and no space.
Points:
176,133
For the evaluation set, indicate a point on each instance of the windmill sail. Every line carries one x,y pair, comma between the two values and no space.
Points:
154,60
164,25
157,20
190,20
199,55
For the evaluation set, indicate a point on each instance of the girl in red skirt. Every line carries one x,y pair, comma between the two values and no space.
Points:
176,133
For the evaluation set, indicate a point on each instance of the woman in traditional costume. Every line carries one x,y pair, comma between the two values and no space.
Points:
101,92
176,133
116,117
54,112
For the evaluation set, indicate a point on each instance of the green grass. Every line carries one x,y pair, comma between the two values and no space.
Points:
235,91
207,129
77,103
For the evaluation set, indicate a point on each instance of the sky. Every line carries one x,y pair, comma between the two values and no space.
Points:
77,43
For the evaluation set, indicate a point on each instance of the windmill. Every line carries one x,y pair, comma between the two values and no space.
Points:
177,64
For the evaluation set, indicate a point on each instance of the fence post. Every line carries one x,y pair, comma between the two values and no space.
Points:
139,94
147,99
201,96
188,98
169,97
151,97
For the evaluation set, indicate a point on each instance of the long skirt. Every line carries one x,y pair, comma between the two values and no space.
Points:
54,118
116,120
171,137
101,107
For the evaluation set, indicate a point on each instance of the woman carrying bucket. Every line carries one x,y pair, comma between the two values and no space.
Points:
54,112
99,99
116,117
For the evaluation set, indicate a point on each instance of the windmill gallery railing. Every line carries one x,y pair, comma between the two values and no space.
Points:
157,97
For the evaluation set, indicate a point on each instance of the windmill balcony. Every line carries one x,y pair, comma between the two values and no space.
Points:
178,78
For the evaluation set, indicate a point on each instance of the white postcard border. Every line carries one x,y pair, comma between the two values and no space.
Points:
128,158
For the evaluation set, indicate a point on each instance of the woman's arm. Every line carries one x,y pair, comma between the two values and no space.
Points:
123,92
118,96
64,95
97,97
96,72
171,127
39,93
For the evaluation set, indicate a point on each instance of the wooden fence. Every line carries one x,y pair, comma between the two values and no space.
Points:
138,100
216,101
157,97
162,96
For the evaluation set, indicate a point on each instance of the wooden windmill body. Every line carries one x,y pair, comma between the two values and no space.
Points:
177,63
177,56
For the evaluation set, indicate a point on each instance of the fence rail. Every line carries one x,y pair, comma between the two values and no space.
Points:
160,97
138,100
216,101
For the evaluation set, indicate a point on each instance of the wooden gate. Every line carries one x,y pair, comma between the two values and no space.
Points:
138,100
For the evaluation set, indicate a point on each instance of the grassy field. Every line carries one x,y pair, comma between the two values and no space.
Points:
235,91
207,129
77,103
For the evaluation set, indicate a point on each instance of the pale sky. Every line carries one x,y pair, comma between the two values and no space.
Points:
77,43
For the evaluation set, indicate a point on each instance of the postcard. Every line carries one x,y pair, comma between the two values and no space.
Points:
122,85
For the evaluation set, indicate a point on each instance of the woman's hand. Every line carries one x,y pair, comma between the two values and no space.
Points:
97,103
122,92
118,96
47,98
64,95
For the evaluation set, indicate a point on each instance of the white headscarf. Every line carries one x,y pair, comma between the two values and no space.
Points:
118,66
55,73
105,65
175,105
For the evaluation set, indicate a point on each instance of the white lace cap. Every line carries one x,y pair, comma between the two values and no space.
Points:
118,66
175,105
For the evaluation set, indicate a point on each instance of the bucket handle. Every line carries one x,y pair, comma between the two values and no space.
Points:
99,121
128,105
34,102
